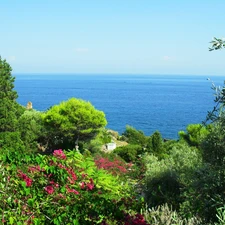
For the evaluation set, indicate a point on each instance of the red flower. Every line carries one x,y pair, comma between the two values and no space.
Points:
74,176
49,189
25,178
82,185
34,169
53,183
90,185
28,182
59,154
73,191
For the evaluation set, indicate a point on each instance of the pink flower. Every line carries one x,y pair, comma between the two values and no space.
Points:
70,180
61,195
90,185
49,189
74,176
35,169
73,191
82,185
53,183
59,154
28,182
25,178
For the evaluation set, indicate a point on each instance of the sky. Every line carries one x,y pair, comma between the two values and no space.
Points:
112,36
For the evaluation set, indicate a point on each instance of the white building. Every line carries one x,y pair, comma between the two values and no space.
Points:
110,146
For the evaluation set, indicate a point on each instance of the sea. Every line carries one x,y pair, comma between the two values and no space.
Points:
164,103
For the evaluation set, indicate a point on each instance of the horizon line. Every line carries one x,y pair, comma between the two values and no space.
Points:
106,74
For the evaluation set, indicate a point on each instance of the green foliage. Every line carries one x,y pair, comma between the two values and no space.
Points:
134,137
105,136
166,177
95,145
11,141
8,96
184,160
205,194
164,188
130,153
195,134
72,120
214,146
217,43
155,144
217,113
220,216
61,189
31,128
163,214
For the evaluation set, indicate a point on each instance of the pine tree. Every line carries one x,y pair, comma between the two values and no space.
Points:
8,96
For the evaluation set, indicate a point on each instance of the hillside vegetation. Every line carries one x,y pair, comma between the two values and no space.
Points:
54,169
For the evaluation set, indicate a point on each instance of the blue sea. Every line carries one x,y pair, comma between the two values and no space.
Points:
167,103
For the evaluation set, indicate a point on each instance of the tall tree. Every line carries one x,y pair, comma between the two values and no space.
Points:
8,96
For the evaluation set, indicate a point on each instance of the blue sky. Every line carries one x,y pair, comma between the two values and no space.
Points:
112,36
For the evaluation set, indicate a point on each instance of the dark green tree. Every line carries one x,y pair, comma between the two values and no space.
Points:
155,144
8,96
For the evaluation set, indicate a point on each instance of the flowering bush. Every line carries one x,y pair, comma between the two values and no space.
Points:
115,166
61,189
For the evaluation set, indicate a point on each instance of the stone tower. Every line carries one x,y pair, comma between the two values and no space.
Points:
29,105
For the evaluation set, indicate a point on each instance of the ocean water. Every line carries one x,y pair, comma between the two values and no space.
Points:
147,102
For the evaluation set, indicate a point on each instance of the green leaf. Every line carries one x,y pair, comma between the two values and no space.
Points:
11,220
75,222
30,202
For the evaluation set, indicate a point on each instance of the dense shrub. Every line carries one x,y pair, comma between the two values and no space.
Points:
180,158
214,146
114,165
134,137
62,189
195,134
11,141
163,214
162,189
130,153
205,194
166,178
31,128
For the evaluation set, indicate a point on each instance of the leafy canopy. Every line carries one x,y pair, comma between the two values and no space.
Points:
8,96
74,119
